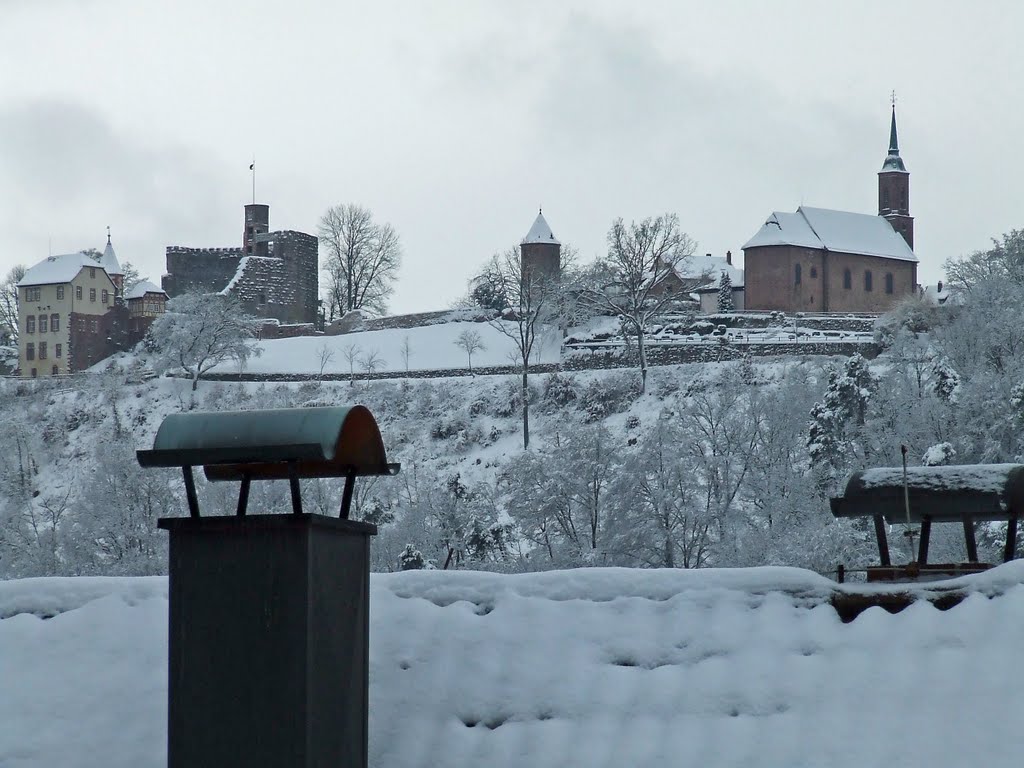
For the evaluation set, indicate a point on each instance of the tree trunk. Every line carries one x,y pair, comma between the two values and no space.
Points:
195,382
643,358
526,410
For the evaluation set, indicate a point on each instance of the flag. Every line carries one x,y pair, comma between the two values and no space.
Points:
252,167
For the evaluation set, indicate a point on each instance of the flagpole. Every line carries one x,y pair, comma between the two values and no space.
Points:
253,167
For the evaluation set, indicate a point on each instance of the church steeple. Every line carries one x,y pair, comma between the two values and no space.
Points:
894,187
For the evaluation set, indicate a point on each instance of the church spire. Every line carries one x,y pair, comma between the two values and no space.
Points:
893,161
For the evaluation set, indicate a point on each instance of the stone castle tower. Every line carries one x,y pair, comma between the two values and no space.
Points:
894,189
540,251
257,222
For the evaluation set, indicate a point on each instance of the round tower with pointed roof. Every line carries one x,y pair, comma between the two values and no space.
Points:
894,188
540,251
113,268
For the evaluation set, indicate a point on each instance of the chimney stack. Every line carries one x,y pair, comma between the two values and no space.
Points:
728,258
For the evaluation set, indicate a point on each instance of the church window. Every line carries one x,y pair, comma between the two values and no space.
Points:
867,279
847,279
885,199
797,275
888,282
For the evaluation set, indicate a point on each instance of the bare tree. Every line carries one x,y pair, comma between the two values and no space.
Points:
351,353
469,341
628,282
9,301
371,362
406,351
533,311
326,354
200,331
362,259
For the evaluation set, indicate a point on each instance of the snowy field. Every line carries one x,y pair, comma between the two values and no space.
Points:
431,347
589,668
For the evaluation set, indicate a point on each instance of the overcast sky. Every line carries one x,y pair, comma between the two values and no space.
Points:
454,120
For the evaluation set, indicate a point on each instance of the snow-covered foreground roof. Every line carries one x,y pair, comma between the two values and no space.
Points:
836,231
590,667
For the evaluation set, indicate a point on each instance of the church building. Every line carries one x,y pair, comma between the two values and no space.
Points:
821,260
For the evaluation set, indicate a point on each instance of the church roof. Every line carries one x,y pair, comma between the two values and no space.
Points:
838,231
109,260
893,162
55,270
140,289
540,232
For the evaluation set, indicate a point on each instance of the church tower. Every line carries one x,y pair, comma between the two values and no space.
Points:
540,251
894,188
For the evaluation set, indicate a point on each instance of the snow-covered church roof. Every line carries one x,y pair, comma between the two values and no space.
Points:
109,261
838,231
54,270
540,232
140,289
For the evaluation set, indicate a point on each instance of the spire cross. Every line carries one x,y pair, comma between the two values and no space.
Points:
108,234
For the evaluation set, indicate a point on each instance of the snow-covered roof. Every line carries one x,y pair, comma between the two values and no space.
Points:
838,231
140,289
109,260
54,270
540,232
942,294
713,266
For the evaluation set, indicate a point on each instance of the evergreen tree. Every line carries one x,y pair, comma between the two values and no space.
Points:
725,294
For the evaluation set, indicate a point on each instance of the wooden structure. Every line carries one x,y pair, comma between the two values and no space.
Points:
965,494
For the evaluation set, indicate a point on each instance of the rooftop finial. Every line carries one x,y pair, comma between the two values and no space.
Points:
108,234
540,210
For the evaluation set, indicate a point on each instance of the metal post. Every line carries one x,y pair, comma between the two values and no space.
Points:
293,481
883,545
926,531
243,496
346,496
972,546
1011,539
190,491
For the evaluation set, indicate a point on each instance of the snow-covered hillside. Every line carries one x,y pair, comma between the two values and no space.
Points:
589,667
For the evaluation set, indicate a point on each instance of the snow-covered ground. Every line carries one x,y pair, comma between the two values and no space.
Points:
590,667
431,347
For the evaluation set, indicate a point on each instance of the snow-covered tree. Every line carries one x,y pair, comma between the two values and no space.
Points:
201,331
9,302
470,341
411,559
640,257
725,302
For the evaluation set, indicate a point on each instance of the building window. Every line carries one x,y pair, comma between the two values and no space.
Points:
814,271
33,294
797,276
34,373
105,296
78,292
30,324
55,370
847,279
867,279
30,351
60,293
58,349
888,282
92,273
42,350
54,323
92,294
42,323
